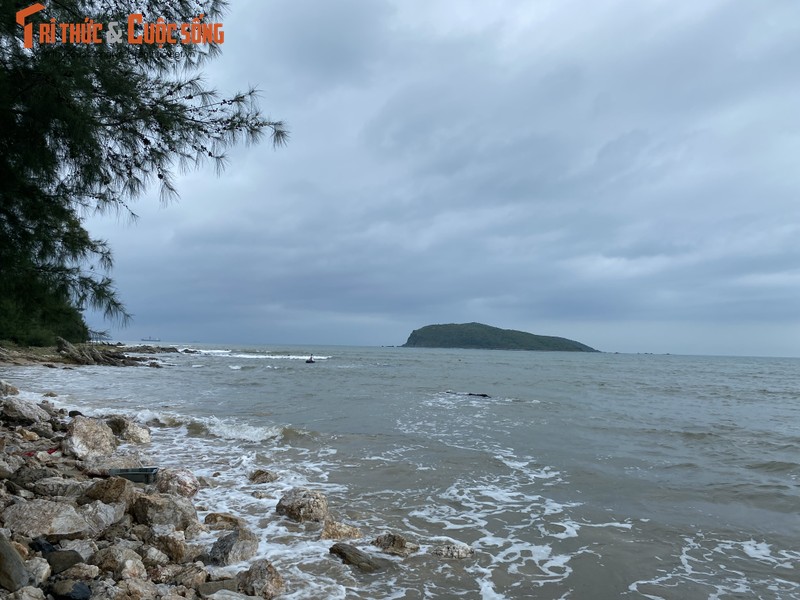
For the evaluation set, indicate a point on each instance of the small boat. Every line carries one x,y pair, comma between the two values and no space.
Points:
151,339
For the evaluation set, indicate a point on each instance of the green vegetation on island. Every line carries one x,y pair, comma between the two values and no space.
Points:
477,335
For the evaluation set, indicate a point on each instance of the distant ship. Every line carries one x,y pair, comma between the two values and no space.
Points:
151,339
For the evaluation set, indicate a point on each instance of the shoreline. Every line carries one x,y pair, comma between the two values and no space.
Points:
55,462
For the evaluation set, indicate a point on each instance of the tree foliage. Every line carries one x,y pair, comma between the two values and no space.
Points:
88,128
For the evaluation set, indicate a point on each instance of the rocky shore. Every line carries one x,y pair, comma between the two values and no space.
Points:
73,524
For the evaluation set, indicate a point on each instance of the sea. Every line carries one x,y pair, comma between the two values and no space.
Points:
570,475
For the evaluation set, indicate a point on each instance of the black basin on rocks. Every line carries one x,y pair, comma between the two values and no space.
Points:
143,475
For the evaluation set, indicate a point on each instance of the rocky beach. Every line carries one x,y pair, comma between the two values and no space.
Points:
86,511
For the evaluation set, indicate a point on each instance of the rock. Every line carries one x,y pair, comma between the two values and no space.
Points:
86,548
210,588
173,544
82,571
50,395
58,486
301,504
99,466
261,579
122,562
39,570
394,543
6,389
28,593
333,530
153,557
453,551
21,412
61,560
136,589
190,576
263,476
13,574
227,595
351,555
89,438
129,430
161,509
235,547
100,516
44,518
110,491
69,589
221,521
9,465
39,544
180,482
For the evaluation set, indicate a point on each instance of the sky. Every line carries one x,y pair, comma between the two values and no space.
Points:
624,173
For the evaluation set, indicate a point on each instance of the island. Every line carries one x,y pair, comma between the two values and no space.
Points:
480,336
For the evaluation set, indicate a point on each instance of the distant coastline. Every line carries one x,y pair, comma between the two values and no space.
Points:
486,337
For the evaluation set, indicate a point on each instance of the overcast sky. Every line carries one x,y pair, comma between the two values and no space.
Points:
623,173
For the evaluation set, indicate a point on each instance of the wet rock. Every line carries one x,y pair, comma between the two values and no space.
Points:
161,509
351,555
227,595
89,438
394,543
453,551
13,574
301,504
237,546
180,482
261,579
263,476
6,389
333,530
173,543
212,587
129,430
222,521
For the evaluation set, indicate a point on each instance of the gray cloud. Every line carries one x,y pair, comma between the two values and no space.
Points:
625,178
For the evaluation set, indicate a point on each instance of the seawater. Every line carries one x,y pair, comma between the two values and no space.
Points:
576,475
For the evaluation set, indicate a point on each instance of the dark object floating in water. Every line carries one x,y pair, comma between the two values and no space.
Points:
479,395
310,359
143,475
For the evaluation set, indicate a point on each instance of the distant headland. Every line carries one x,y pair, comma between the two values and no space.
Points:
480,336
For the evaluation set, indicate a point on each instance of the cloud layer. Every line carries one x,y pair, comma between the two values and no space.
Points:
620,173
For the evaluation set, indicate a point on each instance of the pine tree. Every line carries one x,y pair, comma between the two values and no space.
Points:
88,128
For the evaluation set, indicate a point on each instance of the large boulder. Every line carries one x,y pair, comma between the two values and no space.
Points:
261,580
221,521
351,555
89,438
21,412
6,389
180,482
45,518
13,574
301,504
122,562
163,509
129,430
235,547
110,491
